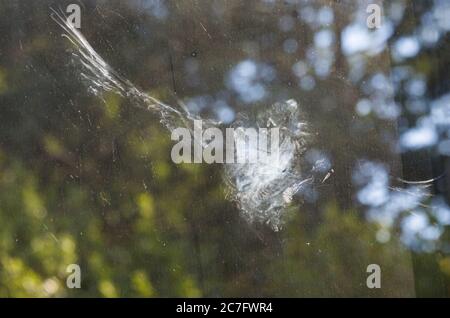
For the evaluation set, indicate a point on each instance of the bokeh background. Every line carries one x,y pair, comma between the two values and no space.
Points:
89,180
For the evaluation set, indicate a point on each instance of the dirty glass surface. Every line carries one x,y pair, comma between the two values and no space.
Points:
357,206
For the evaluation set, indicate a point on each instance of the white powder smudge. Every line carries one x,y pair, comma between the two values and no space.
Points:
262,191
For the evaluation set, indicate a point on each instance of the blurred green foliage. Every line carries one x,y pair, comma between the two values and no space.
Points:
148,243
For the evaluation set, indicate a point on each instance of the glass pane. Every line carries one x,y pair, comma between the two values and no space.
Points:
224,148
